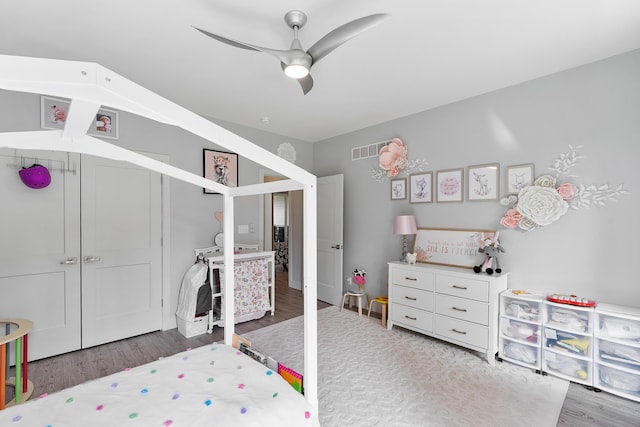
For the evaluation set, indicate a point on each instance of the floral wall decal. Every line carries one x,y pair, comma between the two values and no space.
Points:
393,161
547,200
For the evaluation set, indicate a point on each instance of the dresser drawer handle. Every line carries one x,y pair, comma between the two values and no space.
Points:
459,309
410,278
464,288
459,332
410,318
410,298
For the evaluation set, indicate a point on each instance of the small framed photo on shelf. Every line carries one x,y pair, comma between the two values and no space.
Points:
221,167
420,185
519,177
398,189
449,185
483,182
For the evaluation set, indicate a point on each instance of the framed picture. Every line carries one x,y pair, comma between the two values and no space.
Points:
398,188
420,185
454,247
106,125
449,185
483,182
221,167
54,111
519,177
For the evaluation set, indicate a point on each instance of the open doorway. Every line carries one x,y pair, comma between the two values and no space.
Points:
277,230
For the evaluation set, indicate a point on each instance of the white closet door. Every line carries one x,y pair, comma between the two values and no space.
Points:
121,251
330,238
40,250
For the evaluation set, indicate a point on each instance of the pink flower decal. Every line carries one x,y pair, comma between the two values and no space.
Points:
511,218
567,191
393,157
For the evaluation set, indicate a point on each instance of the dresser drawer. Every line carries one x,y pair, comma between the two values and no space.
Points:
461,308
415,279
412,297
463,287
412,317
465,332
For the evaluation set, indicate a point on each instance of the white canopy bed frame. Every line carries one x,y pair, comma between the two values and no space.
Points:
90,86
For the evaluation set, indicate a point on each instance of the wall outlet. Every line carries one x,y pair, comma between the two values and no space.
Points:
243,229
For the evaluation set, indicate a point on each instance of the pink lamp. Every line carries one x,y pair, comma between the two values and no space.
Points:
404,224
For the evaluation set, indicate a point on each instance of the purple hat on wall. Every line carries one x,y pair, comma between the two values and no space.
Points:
36,176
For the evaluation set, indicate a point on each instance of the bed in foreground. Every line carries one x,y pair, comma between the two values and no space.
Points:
213,385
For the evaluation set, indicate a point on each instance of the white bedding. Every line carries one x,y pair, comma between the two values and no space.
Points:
214,385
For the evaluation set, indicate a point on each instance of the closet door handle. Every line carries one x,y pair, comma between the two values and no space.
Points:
89,259
336,247
69,261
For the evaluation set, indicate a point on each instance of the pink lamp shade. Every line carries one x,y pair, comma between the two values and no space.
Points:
405,224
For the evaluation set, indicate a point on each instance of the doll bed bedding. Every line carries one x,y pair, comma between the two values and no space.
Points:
214,385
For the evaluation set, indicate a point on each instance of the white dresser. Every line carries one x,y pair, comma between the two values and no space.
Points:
452,304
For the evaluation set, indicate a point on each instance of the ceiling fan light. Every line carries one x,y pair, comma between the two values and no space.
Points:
296,71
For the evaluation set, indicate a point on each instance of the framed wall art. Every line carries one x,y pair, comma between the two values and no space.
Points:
398,189
483,182
519,177
420,185
449,185
107,124
453,247
221,167
54,111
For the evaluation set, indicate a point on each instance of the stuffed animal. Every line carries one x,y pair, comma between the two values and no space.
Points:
491,248
359,278
411,258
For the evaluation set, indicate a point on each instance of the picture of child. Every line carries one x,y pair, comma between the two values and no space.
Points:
103,123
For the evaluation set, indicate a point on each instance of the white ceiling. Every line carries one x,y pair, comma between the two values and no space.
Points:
430,53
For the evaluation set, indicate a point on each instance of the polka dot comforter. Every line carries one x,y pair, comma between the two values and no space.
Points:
214,385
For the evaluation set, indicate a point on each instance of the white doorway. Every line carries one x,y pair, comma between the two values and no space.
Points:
330,236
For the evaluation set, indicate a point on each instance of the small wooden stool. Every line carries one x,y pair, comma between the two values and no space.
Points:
353,294
384,301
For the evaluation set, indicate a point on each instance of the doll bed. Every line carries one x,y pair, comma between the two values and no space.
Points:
214,385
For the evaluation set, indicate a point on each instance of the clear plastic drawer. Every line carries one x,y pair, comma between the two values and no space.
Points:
522,331
566,366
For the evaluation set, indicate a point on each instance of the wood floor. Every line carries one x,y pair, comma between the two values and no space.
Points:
582,407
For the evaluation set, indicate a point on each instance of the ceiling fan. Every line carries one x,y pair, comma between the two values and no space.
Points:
295,62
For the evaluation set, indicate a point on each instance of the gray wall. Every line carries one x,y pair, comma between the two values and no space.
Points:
590,253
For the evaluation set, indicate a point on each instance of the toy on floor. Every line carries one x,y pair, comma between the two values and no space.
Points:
490,247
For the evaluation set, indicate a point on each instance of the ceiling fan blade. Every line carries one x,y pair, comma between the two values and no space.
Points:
282,55
305,82
230,42
344,33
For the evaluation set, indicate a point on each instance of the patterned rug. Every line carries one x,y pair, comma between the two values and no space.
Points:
368,376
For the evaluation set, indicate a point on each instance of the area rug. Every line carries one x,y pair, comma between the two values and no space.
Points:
368,376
